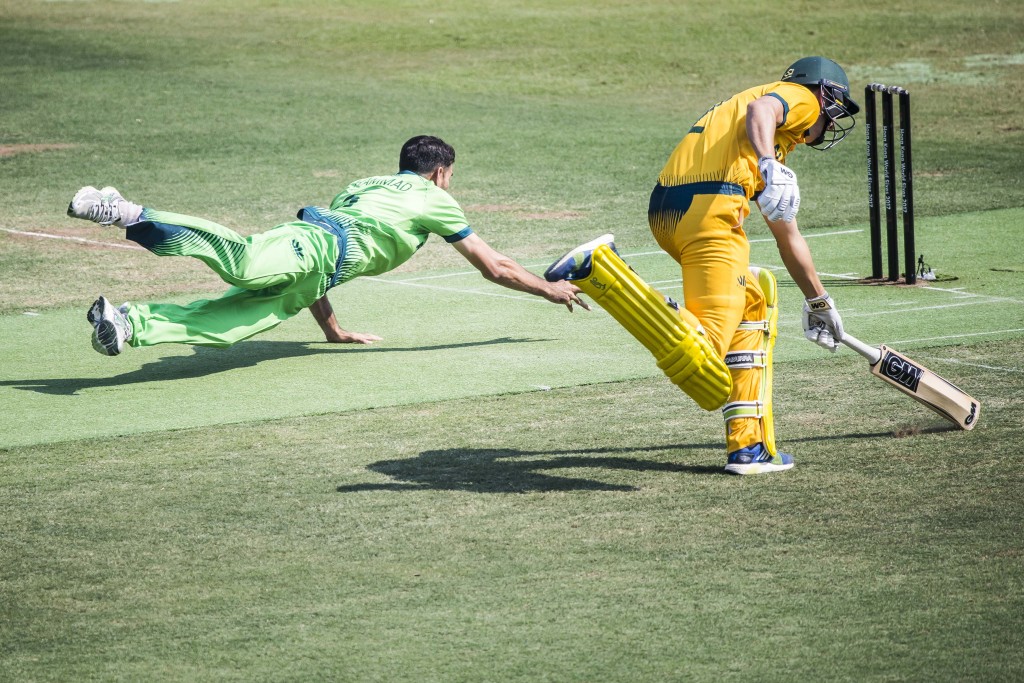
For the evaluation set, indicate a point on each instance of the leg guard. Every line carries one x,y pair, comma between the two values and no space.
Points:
755,340
683,354
770,287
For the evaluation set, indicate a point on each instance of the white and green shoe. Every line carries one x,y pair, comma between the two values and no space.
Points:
111,327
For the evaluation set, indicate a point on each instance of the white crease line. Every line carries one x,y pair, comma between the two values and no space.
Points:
406,283
73,239
410,280
976,301
927,288
957,336
964,294
947,337
759,241
671,285
974,365
807,237
629,255
644,253
676,283
841,276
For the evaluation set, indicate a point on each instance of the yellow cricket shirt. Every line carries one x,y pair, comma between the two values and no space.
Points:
716,148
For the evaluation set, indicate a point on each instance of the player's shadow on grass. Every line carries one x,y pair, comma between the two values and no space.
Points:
204,362
508,470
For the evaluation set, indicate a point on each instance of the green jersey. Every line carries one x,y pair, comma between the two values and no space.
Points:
388,218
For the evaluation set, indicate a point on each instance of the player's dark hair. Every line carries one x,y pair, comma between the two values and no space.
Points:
423,153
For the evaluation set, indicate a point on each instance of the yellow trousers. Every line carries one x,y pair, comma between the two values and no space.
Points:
701,227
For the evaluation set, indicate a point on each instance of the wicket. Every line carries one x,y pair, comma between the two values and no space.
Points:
889,178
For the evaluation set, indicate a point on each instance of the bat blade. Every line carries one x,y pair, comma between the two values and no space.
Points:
933,390
920,383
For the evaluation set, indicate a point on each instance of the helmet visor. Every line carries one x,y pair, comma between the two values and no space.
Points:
839,109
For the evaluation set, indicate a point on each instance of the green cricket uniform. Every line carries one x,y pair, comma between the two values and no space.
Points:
373,226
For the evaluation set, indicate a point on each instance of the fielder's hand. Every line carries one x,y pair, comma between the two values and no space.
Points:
822,324
565,293
780,198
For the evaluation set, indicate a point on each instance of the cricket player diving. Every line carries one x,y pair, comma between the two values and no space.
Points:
373,226
718,346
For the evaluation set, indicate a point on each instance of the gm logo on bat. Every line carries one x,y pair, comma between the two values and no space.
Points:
902,371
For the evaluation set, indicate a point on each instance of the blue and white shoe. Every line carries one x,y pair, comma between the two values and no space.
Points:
576,264
757,460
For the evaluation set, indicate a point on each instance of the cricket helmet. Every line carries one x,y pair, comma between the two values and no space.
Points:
837,104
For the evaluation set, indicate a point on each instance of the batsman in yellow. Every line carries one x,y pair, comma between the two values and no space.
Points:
717,347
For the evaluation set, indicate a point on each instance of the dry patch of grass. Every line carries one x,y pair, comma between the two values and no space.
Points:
11,150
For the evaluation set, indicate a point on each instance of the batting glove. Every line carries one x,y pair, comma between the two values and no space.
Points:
780,198
822,324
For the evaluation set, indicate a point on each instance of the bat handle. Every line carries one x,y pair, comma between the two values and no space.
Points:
870,352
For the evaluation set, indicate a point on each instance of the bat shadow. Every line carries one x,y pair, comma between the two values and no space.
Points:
509,470
204,362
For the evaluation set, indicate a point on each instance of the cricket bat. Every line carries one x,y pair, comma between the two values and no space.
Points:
919,382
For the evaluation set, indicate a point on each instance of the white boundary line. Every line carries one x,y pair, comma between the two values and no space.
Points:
82,240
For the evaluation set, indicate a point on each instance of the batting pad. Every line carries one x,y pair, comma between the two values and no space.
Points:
770,287
682,353
769,328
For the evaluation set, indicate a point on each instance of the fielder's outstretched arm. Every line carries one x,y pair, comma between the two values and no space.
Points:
324,314
504,271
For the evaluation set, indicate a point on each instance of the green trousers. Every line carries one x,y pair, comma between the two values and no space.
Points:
274,275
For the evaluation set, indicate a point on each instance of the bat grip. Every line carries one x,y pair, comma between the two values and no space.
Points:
870,352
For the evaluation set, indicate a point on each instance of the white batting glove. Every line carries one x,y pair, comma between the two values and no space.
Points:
822,324
780,197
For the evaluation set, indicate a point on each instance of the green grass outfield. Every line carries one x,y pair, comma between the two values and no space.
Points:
499,491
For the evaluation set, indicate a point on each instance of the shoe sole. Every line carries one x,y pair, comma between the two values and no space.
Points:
71,204
108,196
757,468
106,335
105,332
607,238
95,314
